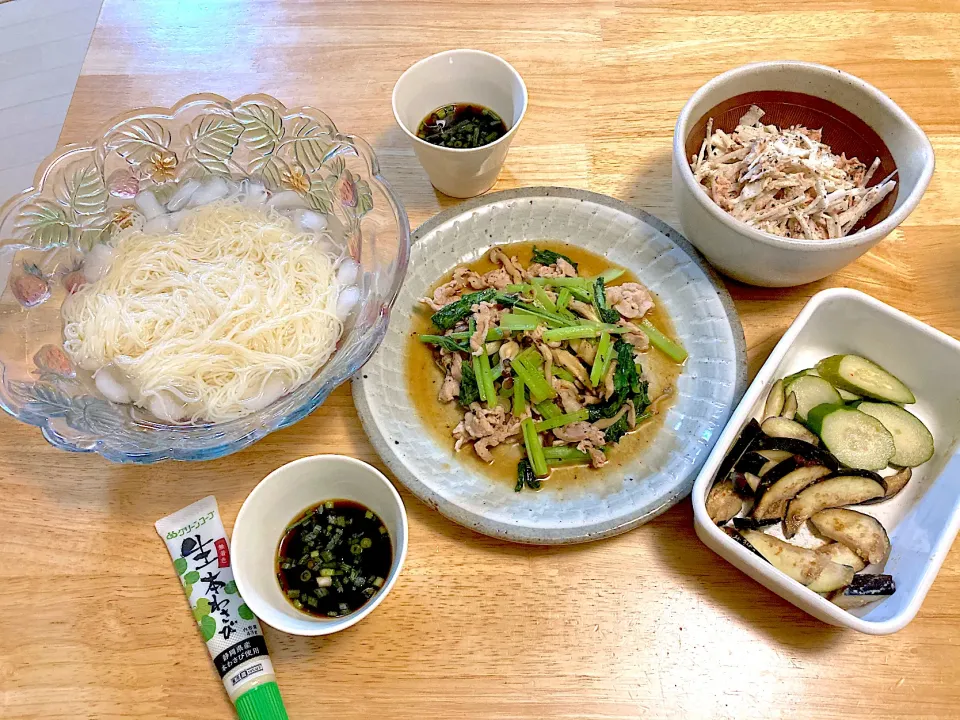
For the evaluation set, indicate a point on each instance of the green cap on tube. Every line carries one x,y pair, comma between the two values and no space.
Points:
262,703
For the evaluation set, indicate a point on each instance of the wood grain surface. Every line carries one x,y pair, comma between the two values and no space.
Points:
650,624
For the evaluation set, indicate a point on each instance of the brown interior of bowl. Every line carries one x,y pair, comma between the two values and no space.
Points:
843,131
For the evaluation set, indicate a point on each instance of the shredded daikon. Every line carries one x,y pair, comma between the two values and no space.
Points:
213,321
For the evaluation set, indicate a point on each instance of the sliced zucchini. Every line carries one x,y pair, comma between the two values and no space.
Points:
772,500
836,492
860,532
790,407
749,433
840,553
863,590
781,427
911,438
855,438
818,456
775,398
863,377
799,563
752,462
723,503
812,391
848,396
833,577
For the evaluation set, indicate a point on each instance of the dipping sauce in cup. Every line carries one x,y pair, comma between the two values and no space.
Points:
460,78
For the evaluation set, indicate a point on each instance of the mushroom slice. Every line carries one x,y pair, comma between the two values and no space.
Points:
863,590
775,399
840,553
835,492
860,532
772,501
799,563
779,427
723,503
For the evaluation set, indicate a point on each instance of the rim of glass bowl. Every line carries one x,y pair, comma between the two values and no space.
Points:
214,440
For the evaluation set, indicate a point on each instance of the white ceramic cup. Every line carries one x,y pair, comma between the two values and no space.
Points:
279,499
460,76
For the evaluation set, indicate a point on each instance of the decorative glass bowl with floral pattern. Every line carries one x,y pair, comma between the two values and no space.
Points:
85,193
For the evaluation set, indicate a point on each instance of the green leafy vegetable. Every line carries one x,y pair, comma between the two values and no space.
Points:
627,386
531,441
549,257
617,430
449,315
447,342
469,392
525,476
561,420
662,343
604,311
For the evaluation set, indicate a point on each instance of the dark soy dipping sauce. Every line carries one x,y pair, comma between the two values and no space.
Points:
462,125
333,558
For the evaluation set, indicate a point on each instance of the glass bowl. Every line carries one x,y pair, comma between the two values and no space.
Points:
84,193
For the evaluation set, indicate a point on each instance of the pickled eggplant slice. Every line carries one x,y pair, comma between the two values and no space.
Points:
745,484
779,427
741,541
750,433
799,563
798,447
838,491
840,553
772,503
748,523
863,377
723,503
855,438
812,391
775,400
860,532
752,462
912,441
858,472
790,406
833,577
863,590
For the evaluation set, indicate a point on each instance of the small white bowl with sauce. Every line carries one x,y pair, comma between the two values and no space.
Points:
280,498
460,76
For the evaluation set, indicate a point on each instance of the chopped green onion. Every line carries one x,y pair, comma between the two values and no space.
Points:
293,593
328,504
378,582
540,389
534,449
305,575
368,515
548,409
366,542
662,343
561,420
327,572
601,363
519,399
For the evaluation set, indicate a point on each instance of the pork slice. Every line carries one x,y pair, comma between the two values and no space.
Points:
632,300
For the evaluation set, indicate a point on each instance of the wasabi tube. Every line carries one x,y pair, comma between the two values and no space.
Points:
201,556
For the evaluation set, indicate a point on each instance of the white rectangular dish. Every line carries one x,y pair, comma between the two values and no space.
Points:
923,520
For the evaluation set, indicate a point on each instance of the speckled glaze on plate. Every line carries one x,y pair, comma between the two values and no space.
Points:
711,384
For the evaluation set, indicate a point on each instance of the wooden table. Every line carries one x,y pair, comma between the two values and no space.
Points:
650,624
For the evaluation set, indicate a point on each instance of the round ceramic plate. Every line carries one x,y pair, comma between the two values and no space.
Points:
710,385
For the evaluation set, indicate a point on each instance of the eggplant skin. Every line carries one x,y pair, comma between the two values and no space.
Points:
863,590
856,472
741,540
747,436
751,462
813,453
892,485
749,523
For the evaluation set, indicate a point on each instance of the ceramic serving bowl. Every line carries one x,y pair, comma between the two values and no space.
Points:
460,76
85,193
282,496
856,118
922,520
